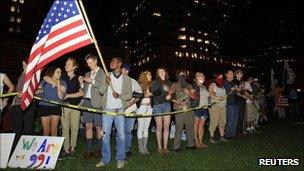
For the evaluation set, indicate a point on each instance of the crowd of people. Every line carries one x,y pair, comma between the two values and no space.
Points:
229,104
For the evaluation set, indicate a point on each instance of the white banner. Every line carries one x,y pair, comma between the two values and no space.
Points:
36,152
6,143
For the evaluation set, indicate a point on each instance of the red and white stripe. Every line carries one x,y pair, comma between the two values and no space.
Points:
66,36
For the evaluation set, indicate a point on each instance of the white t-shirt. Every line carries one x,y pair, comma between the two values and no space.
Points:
113,103
93,75
248,87
135,86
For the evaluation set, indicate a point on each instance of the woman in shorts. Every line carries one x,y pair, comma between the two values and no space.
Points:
55,91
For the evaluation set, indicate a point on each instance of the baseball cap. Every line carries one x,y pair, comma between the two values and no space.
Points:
126,66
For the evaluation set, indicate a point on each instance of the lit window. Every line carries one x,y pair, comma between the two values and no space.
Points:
183,46
201,48
144,61
215,59
18,10
187,54
149,33
21,1
182,37
176,53
195,55
196,1
13,8
206,49
180,54
199,32
206,34
191,38
11,29
189,14
139,63
207,42
199,40
126,24
18,20
148,59
18,29
182,29
14,0
12,19
157,14
192,55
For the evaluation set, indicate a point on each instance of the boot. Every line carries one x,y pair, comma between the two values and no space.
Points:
145,143
140,145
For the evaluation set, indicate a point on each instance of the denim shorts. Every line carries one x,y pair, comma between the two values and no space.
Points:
161,108
201,113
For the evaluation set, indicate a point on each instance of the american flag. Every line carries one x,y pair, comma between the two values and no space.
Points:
63,30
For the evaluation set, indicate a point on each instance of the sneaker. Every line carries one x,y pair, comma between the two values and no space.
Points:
178,150
97,154
121,164
88,156
153,129
100,164
166,151
191,148
160,151
63,154
212,140
222,139
128,153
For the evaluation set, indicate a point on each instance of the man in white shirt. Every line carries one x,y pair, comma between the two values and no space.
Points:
116,90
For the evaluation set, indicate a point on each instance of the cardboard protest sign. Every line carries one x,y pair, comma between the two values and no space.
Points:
36,152
6,143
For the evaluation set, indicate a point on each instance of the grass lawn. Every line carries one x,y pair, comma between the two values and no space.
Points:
280,139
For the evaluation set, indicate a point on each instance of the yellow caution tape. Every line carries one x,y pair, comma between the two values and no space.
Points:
8,95
128,114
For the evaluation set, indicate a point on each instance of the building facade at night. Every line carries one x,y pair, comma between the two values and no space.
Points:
19,19
172,34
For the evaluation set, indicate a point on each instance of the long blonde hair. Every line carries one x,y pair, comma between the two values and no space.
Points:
143,81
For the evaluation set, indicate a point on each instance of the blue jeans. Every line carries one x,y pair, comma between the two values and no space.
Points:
119,123
161,108
232,118
129,123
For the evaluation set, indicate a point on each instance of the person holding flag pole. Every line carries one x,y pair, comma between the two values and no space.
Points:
119,97
65,29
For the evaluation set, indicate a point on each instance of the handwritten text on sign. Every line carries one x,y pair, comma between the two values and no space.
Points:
37,152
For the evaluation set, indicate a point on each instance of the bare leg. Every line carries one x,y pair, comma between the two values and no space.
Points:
196,132
54,124
159,128
45,121
167,120
201,131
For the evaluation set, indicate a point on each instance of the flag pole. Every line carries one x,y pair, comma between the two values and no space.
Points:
83,11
